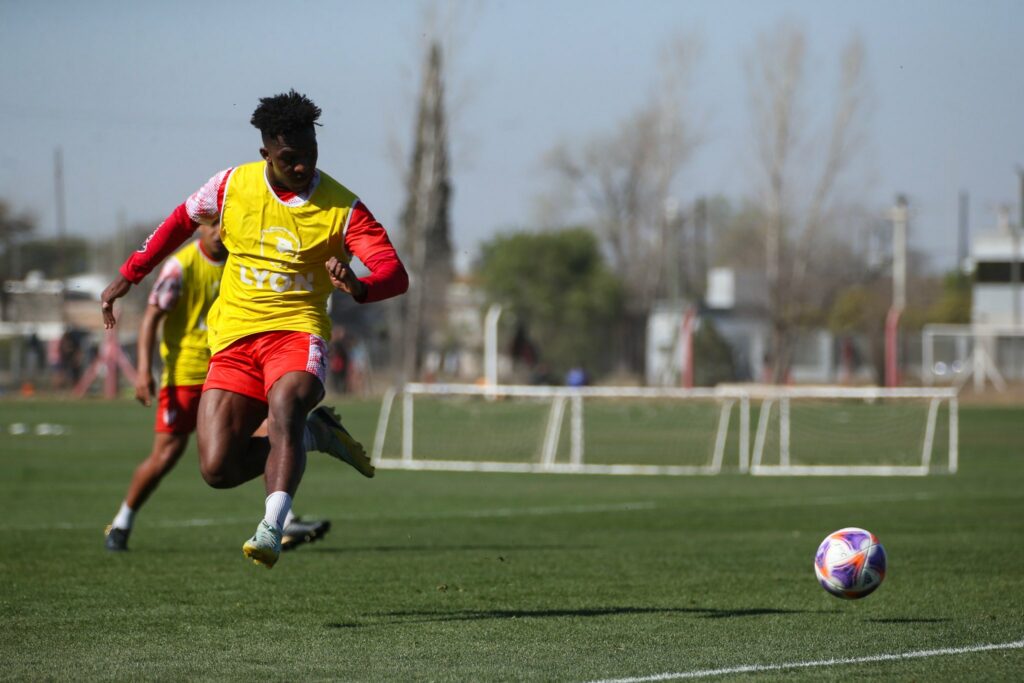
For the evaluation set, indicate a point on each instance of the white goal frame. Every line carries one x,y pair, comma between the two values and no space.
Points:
773,400
560,397
784,395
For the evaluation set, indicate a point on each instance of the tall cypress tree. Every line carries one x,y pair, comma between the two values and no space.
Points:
426,247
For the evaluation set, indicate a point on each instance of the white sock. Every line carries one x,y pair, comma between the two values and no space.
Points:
289,518
308,440
125,517
278,505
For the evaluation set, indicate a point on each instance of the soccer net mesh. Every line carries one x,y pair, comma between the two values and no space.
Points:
612,430
837,431
548,429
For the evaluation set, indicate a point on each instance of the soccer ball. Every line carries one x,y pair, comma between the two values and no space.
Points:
850,563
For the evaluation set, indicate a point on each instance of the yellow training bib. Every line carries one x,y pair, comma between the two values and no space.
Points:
184,347
275,279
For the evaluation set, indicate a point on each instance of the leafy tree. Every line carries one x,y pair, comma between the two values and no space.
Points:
954,303
713,355
559,287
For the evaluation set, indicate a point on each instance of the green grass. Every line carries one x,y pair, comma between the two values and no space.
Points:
480,577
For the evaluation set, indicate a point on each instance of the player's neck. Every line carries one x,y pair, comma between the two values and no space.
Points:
205,252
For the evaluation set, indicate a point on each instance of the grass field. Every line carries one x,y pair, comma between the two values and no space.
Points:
481,577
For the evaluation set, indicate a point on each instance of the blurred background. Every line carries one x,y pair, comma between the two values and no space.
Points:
659,193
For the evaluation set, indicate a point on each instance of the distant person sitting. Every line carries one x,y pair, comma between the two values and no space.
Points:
577,377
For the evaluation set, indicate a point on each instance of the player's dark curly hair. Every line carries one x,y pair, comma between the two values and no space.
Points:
285,113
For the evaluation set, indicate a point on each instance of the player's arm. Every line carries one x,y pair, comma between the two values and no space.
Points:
367,239
162,300
202,207
145,384
170,235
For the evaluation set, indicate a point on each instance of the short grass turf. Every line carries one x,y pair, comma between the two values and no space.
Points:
480,577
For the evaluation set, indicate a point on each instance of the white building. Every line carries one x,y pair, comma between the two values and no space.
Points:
994,256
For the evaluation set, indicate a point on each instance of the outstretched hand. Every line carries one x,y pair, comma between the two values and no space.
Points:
145,388
344,279
115,290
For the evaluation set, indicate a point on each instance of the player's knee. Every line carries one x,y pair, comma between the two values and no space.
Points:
215,477
213,467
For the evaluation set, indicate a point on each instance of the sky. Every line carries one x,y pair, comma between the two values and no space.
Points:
147,100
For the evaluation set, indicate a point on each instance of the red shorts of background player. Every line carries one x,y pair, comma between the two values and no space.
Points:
252,364
177,408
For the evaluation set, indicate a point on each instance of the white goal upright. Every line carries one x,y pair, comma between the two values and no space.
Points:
662,431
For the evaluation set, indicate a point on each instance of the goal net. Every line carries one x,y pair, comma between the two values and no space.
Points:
662,431
593,430
855,431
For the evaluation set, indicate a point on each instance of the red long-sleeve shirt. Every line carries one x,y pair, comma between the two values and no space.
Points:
365,238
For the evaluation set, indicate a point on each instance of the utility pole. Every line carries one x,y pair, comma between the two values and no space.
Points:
898,215
1015,257
963,232
58,183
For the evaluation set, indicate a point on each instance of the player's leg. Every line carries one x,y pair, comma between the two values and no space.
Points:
229,454
176,411
167,450
294,370
289,401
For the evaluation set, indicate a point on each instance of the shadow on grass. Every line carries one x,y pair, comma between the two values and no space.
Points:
907,620
445,548
423,617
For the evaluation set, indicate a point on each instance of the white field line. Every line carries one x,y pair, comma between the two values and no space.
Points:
456,514
757,668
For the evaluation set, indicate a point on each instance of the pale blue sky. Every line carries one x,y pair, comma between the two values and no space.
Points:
150,99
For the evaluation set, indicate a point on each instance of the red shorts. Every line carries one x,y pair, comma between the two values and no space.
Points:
177,408
252,364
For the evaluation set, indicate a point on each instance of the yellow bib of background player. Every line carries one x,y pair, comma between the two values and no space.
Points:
184,349
275,279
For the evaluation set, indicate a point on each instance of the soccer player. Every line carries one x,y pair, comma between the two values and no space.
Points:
290,230
181,299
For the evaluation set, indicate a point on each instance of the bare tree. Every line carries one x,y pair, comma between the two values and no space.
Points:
625,179
800,189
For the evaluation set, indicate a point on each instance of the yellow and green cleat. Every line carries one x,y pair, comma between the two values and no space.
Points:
265,545
331,438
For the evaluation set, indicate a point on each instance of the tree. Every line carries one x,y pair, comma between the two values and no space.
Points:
625,179
425,222
953,305
800,197
559,288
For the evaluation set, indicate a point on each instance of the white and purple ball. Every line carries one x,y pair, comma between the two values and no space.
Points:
850,563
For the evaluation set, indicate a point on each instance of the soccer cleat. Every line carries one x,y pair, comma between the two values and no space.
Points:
265,545
330,437
116,539
301,531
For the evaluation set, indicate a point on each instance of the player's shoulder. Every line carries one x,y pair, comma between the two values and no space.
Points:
331,187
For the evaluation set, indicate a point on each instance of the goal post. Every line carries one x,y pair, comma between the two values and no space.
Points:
855,431
610,430
800,431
